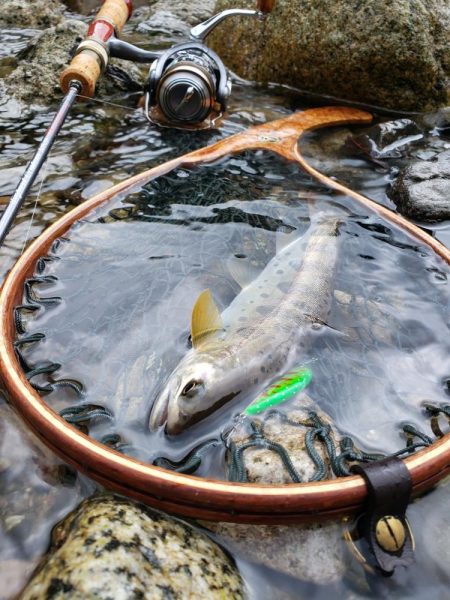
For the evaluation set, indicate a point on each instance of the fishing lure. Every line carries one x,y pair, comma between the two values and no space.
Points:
286,387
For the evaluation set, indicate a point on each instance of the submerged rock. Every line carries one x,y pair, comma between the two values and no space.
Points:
36,490
113,548
392,54
310,552
35,14
385,140
422,189
289,430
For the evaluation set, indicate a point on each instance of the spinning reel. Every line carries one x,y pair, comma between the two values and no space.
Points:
188,85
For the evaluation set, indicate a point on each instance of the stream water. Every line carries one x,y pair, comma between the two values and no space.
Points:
124,320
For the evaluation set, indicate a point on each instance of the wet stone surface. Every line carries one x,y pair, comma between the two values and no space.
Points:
310,552
394,55
36,490
422,189
38,14
35,81
113,548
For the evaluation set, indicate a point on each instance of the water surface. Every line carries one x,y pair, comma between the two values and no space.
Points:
123,322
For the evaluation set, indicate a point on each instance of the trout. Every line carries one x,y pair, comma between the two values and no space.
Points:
260,335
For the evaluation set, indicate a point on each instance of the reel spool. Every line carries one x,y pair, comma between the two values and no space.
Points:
188,85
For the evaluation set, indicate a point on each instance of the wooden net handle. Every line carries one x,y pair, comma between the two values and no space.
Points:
91,57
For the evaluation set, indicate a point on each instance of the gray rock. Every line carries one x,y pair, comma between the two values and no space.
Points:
392,54
385,140
310,552
432,539
422,189
180,15
264,466
35,14
111,547
36,80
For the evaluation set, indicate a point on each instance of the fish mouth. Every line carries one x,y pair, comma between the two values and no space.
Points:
159,412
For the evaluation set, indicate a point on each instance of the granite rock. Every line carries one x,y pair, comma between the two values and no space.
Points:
114,548
390,54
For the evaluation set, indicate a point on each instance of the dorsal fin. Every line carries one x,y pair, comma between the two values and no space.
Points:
242,270
206,319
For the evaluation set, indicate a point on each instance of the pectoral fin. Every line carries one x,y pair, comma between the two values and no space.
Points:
242,271
206,320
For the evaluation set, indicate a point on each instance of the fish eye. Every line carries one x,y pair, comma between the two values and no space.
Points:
190,388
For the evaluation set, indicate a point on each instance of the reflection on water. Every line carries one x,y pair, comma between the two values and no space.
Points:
124,321
129,277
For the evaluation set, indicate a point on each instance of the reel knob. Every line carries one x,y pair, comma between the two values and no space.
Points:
186,93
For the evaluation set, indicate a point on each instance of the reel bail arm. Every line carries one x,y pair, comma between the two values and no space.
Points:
188,86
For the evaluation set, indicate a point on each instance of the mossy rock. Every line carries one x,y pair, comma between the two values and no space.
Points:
391,54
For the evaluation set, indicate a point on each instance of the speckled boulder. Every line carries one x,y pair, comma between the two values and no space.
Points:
35,14
113,548
392,54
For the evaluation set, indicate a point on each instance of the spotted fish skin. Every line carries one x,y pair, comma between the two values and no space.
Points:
264,330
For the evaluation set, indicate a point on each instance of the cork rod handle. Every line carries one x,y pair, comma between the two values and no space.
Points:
91,57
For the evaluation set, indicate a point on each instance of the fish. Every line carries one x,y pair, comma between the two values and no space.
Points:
260,334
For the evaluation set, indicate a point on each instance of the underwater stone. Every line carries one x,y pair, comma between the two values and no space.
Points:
311,552
422,189
385,140
113,548
390,54
34,494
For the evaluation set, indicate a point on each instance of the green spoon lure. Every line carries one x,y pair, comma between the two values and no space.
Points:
286,387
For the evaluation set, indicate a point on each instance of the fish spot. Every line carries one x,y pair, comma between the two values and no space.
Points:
255,381
265,295
280,272
240,255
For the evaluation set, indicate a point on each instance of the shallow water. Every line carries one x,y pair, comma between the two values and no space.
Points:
107,332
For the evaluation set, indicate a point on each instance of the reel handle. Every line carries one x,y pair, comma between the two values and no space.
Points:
265,6
92,56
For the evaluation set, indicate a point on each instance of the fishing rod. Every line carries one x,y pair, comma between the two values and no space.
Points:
188,85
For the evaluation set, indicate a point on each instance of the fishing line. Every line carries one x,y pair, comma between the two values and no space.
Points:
100,101
44,175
